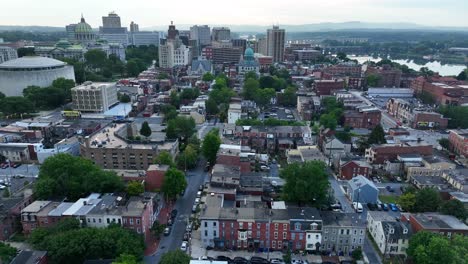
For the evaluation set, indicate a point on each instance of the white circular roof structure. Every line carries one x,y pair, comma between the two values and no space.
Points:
31,62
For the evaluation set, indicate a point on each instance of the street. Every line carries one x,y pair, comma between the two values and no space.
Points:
183,205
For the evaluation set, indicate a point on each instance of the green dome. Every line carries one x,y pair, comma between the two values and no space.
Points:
83,27
63,43
249,53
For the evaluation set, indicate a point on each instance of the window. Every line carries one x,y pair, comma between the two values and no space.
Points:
342,231
347,231
297,226
131,221
232,225
276,226
301,236
138,230
108,221
214,223
325,238
214,233
138,221
284,235
89,220
258,234
273,244
275,235
280,244
250,226
206,224
293,236
258,225
285,227
206,232
298,245
224,224
241,225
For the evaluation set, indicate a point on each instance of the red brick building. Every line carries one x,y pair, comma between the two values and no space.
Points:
446,225
388,76
362,118
10,214
328,87
459,141
36,215
155,176
444,90
379,154
354,168
422,120
344,70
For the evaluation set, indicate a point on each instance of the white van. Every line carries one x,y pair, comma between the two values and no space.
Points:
357,207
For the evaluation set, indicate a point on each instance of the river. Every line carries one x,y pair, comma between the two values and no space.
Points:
436,66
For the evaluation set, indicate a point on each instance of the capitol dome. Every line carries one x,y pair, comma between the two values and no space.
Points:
249,53
83,27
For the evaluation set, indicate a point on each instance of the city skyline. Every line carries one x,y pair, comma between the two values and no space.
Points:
448,13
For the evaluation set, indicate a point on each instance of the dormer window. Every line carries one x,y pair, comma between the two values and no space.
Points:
405,231
297,226
313,226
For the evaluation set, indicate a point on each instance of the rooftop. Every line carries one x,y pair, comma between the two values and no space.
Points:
31,62
343,219
439,221
35,207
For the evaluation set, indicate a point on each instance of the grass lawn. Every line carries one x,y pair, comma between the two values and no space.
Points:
388,198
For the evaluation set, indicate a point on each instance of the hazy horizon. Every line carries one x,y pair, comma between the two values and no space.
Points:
433,13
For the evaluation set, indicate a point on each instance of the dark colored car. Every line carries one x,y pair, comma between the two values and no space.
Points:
240,260
371,206
384,207
223,258
258,260
173,213
200,188
16,165
390,189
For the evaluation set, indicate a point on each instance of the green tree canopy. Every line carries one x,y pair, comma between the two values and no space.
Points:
64,175
456,114
175,257
407,201
126,259
74,245
444,143
377,136
250,89
251,75
174,183
15,105
455,208
135,188
188,158
208,77
145,129
164,158
210,145
264,96
7,252
288,97
96,58
180,127
373,80
125,98
306,183
427,200
463,76
431,248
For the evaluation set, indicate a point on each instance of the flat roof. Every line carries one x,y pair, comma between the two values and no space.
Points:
439,221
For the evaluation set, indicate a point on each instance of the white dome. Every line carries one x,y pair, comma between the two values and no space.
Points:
31,62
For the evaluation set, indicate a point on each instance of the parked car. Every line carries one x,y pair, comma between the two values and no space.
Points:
184,246
258,260
186,236
371,206
194,208
240,260
393,207
167,231
384,207
16,165
276,261
2,187
5,165
173,213
199,194
265,168
197,201
390,189
223,258
169,222
200,188
188,228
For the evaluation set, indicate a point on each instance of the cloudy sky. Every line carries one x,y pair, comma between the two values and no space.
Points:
240,12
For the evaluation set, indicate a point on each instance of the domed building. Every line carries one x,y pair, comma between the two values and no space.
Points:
84,32
248,62
17,74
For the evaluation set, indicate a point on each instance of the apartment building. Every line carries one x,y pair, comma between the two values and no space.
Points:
380,154
94,97
342,232
390,234
446,225
459,141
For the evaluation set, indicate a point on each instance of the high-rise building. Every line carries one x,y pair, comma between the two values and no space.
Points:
145,38
221,33
275,43
70,32
201,34
239,43
174,53
94,97
172,32
134,27
111,21
7,53
261,46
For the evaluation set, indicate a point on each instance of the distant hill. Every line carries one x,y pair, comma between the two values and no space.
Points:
32,28
328,26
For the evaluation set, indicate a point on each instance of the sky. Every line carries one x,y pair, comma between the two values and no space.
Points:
148,13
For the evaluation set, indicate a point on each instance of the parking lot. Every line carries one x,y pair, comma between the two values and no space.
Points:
280,113
28,170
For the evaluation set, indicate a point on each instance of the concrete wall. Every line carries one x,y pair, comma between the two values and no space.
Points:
12,83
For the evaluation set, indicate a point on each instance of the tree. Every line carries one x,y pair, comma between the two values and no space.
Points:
180,127
164,158
463,76
157,229
456,115
407,201
372,80
126,259
125,98
357,254
145,129
455,208
444,143
65,85
342,56
78,244
135,188
64,175
132,68
15,105
432,248
188,158
2,95
266,81
263,96
328,121
169,112
174,183
306,183
287,257
96,58
427,200
250,89
377,136
426,72
210,145
211,107
288,97
208,77
7,252
175,257
250,75
174,99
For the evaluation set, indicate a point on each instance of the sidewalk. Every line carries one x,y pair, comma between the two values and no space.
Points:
151,242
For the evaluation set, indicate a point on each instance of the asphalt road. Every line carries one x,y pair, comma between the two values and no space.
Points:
28,170
183,205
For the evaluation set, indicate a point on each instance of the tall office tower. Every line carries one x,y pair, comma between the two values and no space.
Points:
111,21
134,27
202,34
221,33
275,43
262,46
70,32
172,32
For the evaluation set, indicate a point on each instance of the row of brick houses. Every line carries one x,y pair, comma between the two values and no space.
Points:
459,141
136,213
362,117
276,226
444,90
417,118
379,154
